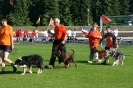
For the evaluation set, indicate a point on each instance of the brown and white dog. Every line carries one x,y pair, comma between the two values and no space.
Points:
64,57
100,54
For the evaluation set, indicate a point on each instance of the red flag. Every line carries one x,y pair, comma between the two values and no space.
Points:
51,22
105,19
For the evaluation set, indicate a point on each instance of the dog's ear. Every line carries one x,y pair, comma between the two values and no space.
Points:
20,58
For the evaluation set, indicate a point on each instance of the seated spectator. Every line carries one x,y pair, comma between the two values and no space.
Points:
20,35
17,35
34,35
74,34
45,35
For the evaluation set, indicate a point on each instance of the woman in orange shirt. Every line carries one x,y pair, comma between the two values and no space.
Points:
94,38
6,43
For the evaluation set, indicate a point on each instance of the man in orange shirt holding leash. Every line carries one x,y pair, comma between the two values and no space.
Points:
60,35
6,43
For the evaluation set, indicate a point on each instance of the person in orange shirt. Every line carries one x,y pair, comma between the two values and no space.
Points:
94,36
111,42
6,43
60,36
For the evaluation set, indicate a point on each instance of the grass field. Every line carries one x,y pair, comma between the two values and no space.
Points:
85,76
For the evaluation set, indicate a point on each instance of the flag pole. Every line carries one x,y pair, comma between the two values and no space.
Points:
101,23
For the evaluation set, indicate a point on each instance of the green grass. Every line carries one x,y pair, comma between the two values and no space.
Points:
85,76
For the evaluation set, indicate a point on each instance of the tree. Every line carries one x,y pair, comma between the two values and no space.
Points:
79,11
65,15
131,6
51,10
19,16
5,7
124,7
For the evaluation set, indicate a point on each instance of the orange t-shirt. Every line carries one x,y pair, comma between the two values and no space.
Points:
6,33
59,32
93,40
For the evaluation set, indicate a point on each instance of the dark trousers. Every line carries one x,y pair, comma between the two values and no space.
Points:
57,45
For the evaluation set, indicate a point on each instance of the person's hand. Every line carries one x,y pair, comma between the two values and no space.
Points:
63,42
98,37
12,47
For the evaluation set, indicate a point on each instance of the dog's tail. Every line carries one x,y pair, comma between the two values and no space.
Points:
73,51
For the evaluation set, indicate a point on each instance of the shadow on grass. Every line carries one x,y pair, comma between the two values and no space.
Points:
94,63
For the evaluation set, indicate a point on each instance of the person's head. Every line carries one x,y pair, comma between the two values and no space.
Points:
56,21
108,29
116,28
4,21
95,25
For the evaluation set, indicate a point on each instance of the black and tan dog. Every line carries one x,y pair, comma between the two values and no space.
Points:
28,61
64,57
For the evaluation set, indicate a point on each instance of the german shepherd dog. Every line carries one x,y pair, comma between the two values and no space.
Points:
118,56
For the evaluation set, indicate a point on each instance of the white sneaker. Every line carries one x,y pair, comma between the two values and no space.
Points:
49,66
89,61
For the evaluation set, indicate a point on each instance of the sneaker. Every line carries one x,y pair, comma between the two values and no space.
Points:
89,61
49,66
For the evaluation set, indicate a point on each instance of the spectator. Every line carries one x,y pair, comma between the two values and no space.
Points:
6,43
69,34
20,35
60,35
110,42
26,33
115,32
74,33
34,35
17,35
94,36
45,35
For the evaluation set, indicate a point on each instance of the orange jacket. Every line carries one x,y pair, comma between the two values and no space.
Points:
59,32
93,40
6,34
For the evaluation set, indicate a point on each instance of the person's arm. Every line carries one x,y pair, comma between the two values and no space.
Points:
11,38
12,42
64,35
49,31
114,41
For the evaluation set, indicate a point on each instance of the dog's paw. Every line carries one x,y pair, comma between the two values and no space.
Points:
22,73
30,72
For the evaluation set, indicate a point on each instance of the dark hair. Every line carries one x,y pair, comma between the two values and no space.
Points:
95,23
4,18
108,27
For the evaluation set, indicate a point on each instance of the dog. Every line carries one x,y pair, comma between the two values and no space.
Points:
64,57
28,61
118,56
100,54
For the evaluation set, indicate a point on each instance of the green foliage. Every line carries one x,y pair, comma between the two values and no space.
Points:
131,6
19,16
71,12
